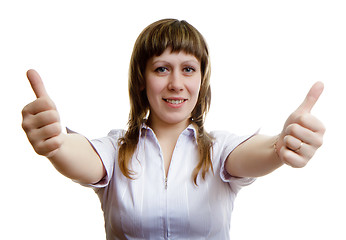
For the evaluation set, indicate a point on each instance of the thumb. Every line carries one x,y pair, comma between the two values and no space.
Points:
312,97
36,83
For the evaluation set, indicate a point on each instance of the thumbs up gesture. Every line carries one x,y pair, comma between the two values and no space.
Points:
303,133
41,121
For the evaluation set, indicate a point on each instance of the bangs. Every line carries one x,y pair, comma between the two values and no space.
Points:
153,41
179,35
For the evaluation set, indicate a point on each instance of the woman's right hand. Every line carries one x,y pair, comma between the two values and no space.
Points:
41,121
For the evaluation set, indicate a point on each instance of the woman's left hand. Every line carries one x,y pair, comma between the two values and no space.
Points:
303,133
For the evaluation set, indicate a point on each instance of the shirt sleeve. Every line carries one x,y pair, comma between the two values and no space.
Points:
229,143
107,149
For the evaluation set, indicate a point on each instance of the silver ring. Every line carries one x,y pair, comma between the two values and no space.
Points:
298,149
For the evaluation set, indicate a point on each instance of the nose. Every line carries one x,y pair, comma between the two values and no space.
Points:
176,82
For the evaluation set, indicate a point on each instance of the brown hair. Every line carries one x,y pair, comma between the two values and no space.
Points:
153,41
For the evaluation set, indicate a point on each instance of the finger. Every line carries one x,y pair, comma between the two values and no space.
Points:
312,97
49,147
292,143
38,136
39,105
49,131
292,159
300,148
301,133
310,122
36,83
42,119
305,135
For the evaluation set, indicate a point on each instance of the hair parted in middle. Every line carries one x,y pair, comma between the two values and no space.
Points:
153,41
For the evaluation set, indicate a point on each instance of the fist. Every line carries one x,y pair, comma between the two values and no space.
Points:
303,133
41,121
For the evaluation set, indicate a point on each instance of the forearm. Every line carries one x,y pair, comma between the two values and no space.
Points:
77,160
71,154
255,157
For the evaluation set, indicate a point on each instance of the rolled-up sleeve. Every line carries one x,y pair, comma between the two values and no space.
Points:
107,149
224,145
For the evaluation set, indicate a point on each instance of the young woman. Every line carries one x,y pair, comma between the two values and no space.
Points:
165,176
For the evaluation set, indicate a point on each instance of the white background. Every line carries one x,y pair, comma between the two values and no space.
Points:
265,56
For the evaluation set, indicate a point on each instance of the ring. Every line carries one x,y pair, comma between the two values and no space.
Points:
298,149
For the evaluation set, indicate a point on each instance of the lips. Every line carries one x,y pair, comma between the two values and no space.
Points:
174,101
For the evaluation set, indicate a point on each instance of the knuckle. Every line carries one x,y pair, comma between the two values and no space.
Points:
319,142
55,116
294,116
35,143
309,155
25,126
285,157
286,139
295,162
298,164
46,147
323,129
48,118
45,103
25,111
58,142
50,103
54,144
303,118
292,129
51,130
56,128
301,164
39,149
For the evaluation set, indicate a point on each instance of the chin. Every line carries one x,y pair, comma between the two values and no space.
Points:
177,120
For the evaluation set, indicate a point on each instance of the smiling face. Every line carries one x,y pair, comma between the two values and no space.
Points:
173,82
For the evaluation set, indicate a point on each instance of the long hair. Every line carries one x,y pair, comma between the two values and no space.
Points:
153,41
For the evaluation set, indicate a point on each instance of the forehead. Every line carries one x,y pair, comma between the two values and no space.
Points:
179,56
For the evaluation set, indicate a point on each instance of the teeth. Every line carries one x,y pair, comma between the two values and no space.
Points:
174,101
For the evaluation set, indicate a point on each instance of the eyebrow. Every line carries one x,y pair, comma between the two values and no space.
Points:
167,62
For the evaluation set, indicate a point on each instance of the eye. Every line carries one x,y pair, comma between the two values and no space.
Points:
189,69
161,69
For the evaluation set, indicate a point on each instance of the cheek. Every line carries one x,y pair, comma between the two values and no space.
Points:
194,87
153,89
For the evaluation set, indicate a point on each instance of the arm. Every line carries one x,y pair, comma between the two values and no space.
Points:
71,154
254,158
77,160
300,138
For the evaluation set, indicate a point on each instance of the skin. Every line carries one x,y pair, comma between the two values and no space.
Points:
300,138
172,76
71,154
172,85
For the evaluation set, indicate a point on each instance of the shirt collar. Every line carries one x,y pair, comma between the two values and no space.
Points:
189,131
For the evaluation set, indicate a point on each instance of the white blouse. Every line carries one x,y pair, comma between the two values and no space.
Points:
153,207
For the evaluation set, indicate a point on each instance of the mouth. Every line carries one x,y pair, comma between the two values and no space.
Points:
174,101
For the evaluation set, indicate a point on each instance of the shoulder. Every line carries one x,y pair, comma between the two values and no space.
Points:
223,137
109,141
116,133
225,142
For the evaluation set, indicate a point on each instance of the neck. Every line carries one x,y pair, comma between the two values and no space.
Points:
162,129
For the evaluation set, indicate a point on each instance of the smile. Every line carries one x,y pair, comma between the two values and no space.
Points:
174,101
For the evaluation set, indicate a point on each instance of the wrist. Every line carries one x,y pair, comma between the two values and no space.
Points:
276,147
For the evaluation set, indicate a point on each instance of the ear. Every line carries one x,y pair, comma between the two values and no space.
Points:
142,87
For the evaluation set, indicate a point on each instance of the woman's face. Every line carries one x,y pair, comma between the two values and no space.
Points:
172,85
